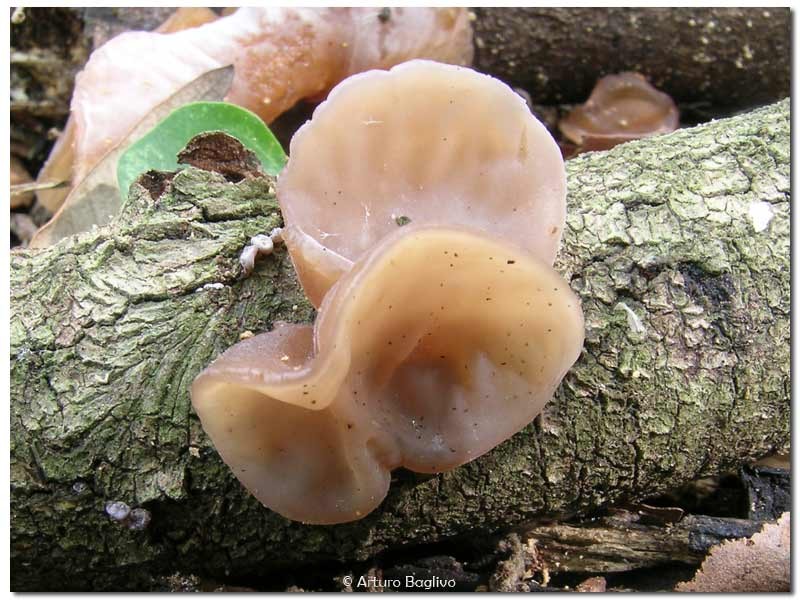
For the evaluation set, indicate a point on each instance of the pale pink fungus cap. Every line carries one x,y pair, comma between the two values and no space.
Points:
432,143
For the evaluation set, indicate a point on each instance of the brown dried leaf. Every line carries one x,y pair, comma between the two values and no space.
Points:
20,197
758,564
593,584
187,17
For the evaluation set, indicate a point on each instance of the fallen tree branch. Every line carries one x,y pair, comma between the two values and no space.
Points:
614,545
694,54
678,247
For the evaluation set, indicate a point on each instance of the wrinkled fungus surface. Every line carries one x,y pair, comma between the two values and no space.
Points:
430,350
621,108
423,209
425,142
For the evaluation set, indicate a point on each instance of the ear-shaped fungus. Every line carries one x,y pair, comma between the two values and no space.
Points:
435,340
425,142
621,108
438,344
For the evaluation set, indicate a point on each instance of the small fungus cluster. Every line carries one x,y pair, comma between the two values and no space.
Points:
424,207
136,519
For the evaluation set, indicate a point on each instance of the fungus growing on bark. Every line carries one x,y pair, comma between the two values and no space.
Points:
280,56
435,346
621,108
423,207
425,142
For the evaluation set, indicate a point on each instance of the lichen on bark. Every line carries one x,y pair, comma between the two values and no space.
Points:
685,370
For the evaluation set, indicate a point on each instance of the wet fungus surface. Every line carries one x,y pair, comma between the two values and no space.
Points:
431,350
423,142
439,334
621,108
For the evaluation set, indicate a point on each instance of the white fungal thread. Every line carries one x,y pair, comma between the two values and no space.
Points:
276,235
248,259
263,243
138,519
634,322
211,286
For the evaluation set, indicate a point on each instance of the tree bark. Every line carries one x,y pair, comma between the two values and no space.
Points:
614,546
727,57
685,369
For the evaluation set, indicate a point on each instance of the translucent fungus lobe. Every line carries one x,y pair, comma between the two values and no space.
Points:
621,108
432,349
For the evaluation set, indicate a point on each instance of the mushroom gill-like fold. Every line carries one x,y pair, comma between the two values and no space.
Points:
435,346
621,108
426,142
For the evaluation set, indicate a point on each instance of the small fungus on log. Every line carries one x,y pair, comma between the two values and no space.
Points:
621,108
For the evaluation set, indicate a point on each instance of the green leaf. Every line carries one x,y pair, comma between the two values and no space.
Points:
95,199
159,148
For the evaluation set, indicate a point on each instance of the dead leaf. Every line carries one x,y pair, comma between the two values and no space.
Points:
593,584
58,168
761,563
23,227
19,178
96,200
187,17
